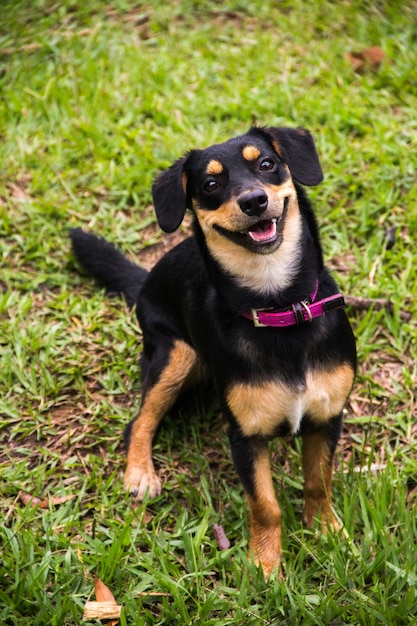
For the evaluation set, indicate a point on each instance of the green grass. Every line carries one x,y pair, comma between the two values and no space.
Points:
96,98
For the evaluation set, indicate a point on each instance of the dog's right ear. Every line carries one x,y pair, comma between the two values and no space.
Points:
169,193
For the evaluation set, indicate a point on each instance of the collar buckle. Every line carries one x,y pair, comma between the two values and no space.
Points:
255,317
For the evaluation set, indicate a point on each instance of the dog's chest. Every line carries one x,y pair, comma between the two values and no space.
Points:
261,408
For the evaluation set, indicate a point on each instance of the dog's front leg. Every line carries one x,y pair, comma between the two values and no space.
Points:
318,453
251,459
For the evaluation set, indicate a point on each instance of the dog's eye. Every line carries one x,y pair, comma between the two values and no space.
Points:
210,186
266,165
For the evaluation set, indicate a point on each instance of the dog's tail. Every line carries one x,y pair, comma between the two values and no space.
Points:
107,265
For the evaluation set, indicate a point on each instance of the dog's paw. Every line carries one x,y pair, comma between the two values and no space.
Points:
328,519
142,483
266,551
270,561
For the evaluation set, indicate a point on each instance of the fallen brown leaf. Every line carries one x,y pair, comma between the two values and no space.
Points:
17,191
366,60
59,499
27,498
103,593
223,542
105,607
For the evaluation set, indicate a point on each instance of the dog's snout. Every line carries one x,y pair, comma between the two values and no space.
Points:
254,202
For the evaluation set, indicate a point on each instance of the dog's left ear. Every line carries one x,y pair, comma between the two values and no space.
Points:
170,197
296,147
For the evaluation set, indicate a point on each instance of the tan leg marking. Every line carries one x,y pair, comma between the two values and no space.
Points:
327,392
261,408
265,517
318,470
140,477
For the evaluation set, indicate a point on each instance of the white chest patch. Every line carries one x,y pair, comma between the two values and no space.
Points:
264,274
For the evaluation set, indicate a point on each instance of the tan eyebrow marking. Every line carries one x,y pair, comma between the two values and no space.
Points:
214,167
277,148
250,153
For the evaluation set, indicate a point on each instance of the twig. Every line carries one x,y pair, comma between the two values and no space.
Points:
364,304
101,610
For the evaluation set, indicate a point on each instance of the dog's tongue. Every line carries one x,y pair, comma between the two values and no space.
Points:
263,231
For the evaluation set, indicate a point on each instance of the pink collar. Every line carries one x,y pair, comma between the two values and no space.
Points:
299,313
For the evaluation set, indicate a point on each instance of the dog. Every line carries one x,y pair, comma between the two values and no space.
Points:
247,301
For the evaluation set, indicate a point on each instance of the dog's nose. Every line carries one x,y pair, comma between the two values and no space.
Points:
254,202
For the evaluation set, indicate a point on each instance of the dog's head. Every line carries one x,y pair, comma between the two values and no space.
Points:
241,191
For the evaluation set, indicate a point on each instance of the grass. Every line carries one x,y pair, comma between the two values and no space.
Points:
96,98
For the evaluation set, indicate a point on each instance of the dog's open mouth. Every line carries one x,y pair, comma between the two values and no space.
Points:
263,232
264,236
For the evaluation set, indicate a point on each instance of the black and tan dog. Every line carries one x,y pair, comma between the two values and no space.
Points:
248,302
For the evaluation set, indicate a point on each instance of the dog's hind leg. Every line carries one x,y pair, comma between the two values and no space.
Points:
161,393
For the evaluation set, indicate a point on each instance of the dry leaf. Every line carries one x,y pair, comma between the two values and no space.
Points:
17,191
366,60
59,499
105,608
103,593
223,542
26,498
